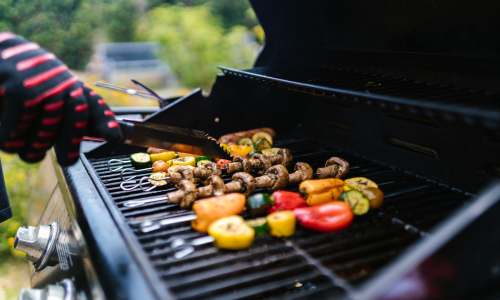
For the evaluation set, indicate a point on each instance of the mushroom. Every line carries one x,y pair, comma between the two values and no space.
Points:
281,174
245,162
335,167
217,184
265,162
303,171
247,183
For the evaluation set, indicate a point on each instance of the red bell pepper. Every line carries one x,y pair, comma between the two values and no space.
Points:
285,200
327,217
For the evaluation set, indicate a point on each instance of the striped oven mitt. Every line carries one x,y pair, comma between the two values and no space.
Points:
42,104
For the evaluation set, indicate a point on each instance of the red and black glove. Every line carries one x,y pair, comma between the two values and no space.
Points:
43,104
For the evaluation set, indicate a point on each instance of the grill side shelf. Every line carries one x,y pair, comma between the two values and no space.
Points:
425,99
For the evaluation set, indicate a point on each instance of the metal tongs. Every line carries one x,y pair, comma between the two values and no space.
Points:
150,94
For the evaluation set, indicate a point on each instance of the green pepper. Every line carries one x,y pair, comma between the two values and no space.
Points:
259,203
262,144
140,160
259,225
251,153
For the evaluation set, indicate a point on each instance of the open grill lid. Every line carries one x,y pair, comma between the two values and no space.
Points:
448,42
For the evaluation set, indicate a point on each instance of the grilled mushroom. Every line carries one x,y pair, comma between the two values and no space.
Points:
281,174
303,171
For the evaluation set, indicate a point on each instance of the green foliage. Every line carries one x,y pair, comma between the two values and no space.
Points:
19,178
195,43
119,19
60,26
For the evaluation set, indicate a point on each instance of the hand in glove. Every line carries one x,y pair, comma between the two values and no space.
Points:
42,104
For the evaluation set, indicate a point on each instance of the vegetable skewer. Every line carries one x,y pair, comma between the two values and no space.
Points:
276,178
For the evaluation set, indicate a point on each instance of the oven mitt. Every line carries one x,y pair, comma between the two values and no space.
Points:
42,104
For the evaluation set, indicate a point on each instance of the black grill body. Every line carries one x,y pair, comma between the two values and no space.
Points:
406,92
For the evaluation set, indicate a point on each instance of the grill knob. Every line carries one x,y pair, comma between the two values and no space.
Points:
38,243
65,291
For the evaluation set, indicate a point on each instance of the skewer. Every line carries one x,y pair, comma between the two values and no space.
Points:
276,178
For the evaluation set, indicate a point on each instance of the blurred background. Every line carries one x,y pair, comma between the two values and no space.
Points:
171,46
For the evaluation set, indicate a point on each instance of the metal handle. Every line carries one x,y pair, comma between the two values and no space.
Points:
39,243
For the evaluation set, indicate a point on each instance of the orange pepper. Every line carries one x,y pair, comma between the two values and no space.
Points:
239,150
211,209
320,191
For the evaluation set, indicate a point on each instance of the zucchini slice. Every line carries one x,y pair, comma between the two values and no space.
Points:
261,144
251,153
271,151
358,202
245,142
262,135
140,160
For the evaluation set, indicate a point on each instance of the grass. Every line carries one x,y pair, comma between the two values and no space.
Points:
19,179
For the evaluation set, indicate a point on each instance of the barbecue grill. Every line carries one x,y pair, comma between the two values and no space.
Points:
405,92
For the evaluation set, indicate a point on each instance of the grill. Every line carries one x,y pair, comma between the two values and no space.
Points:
307,264
406,91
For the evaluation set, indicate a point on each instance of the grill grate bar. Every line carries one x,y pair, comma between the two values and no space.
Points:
326,261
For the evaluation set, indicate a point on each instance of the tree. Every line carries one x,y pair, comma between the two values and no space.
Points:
195,42
60,26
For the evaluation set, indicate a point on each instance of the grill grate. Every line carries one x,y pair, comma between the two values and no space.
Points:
305,265
346,85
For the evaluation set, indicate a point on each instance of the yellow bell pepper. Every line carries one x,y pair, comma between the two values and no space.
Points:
346,188
239,150
320,191
162,156
231,233
281,223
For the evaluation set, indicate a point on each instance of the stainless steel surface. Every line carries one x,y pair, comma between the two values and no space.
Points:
32,241
171,138
65,291
70,257
123,90
50,247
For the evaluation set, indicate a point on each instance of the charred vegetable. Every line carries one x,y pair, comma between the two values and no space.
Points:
285,200
259,225
281,223
231,233
223,163
375,196
211,209
327,217
246,142
271,151
160,166
165,156
259,203
158,175
140,160
320,191
183,161
357,201
360,183
262,144
262,135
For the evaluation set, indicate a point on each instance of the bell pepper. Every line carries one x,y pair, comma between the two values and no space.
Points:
239,150
281,223
231,233
258,203
320,191
285,200
165,156
211,209
160,166
223,162
327,217
259,225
